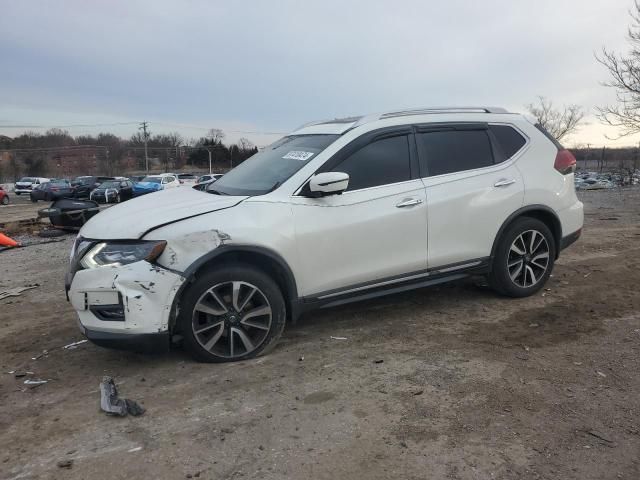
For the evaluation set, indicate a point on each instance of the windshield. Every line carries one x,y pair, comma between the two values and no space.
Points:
152,179
28,180
271,167
110,184
186,176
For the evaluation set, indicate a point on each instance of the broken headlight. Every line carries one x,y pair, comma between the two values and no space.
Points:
116,254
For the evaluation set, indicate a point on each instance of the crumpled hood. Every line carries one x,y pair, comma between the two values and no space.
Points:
131,219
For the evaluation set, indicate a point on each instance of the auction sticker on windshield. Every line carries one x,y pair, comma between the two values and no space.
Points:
298,155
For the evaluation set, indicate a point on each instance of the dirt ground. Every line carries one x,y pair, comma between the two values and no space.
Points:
450,382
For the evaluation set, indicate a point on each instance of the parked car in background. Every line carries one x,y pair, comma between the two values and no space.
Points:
50,191
4,197
187,179
155,183
113,191
26,184
136,178
83,186
332,213
205,180
209,177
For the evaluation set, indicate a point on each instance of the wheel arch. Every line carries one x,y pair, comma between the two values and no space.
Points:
260,257
540,212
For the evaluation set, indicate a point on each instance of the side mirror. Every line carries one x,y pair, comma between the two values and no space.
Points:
329,183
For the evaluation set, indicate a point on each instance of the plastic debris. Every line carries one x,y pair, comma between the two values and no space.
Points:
35,382
16,292
338,338
112,405
73,345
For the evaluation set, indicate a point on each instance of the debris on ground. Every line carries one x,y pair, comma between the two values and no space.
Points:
73,345
40,355
112,405
338,338
599,436
16,292
35,382
596,181
65,463
378,361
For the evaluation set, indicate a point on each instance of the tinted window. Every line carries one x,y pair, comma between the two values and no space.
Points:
455,150
549,136
382,162
509,139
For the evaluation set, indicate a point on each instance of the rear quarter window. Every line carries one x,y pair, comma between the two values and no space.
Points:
450,151
509,139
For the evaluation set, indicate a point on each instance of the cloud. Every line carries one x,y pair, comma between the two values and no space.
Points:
272,65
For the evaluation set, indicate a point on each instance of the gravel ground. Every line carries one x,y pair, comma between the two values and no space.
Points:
447,382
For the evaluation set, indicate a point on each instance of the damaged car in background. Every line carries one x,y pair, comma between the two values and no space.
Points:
113,191
335,212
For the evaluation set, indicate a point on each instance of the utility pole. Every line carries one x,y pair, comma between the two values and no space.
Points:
143,127
209,150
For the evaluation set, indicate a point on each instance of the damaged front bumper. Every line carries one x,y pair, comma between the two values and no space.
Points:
125,307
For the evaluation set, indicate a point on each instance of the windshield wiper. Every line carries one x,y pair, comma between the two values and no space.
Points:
217,192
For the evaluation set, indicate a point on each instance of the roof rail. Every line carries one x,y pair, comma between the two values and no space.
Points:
423,111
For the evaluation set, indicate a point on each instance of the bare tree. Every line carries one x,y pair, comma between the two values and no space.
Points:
559,122
245,145
625,79
216,135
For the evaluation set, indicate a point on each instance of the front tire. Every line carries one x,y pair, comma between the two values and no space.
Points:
523,259
233,313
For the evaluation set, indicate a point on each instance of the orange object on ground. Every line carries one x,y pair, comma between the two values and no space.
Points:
7,242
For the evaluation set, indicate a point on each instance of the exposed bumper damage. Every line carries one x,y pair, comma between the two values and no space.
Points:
125,307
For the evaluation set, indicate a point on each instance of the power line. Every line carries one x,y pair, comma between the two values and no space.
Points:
69,126
180,125
199,127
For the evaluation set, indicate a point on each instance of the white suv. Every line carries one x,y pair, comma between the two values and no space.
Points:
337,211
27,184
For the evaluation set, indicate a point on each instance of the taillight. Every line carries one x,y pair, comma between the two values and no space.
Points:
565,162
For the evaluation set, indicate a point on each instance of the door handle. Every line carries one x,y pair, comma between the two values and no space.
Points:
503,182
409,202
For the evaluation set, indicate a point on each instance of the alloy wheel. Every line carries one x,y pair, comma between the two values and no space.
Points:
231,319
528,258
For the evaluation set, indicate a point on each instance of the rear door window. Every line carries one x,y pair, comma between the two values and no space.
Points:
450,151
382,162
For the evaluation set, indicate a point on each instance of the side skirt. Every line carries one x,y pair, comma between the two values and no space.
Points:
388,286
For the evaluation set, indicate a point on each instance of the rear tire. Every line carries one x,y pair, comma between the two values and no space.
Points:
5,200
233,313
523,259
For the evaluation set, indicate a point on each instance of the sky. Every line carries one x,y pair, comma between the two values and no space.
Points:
258,69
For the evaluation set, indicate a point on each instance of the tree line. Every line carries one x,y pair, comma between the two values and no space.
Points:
34,153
